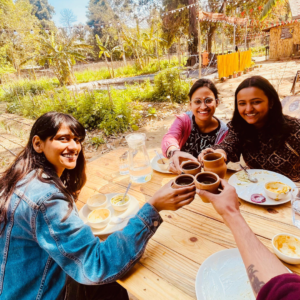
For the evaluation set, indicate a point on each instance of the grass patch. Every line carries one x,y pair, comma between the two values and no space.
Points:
128,71
95,109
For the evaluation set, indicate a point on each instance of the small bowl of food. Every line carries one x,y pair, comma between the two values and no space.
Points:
118,203
97,201
277,190
163,164
99,218
287,247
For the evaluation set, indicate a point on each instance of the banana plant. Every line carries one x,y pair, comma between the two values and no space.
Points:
267,8
106,53
62,52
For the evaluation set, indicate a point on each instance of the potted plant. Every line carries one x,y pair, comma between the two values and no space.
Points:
239,73
223,79
230,76
234,74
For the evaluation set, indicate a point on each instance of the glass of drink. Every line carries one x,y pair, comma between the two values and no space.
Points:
296,206
123,164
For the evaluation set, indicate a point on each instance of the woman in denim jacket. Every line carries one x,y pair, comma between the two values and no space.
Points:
46,251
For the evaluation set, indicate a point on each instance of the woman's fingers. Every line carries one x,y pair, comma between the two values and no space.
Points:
185,202
181,198
185,190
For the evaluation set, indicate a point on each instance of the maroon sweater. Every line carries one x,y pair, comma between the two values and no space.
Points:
282,287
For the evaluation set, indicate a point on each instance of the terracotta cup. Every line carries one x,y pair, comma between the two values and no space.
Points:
207,181
214,162
191,167
183,180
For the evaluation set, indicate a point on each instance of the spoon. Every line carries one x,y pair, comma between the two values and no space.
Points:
251,178
118,220
128,187
159,155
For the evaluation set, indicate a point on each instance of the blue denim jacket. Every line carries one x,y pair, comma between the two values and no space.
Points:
38,250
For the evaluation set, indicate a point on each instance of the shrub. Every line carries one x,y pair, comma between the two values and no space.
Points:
168,85
25,87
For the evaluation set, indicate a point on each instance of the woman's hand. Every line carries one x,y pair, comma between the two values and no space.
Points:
177,159
210,150
226,203
168,198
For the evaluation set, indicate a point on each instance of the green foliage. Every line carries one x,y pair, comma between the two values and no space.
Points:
168,85
97,141
62,52
258,51
42,9
129,70
10,92
267,8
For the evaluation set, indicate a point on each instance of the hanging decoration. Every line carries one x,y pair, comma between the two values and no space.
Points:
215,17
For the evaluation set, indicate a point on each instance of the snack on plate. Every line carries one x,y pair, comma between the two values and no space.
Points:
258,198
288,245
117,200
277,190
242,176
98,215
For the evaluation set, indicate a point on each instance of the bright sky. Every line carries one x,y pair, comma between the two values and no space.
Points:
79,8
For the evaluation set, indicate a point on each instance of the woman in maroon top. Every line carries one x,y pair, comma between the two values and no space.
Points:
269,278
260,132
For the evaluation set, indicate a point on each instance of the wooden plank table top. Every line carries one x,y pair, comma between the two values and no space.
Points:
186,238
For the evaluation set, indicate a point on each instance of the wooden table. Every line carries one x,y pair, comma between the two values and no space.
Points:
186,238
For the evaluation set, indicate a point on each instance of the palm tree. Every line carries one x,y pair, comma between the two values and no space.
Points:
62,53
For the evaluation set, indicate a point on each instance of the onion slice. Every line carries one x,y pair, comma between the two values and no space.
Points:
258,198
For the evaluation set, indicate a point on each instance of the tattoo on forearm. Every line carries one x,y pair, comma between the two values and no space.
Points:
255,283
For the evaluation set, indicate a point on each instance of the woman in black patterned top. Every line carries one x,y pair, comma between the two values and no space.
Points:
259,131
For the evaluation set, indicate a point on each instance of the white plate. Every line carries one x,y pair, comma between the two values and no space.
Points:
223,276
132,209
155,166
246,189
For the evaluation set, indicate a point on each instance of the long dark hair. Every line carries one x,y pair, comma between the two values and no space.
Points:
203,83
275,129
29,160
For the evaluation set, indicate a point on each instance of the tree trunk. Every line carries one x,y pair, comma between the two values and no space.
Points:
212,29
193,34
112,66
106,61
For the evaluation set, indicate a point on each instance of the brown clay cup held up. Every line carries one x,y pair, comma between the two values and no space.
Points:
191,167
183,180
207,181
214,162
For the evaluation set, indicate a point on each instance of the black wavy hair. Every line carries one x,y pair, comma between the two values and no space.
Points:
276,129
204,83
70,182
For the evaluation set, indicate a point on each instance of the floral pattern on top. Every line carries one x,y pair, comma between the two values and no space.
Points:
283,160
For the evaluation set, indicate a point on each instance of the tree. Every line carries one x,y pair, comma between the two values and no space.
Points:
20,28
67,17
42,9
62,52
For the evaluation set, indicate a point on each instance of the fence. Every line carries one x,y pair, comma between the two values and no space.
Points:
234,62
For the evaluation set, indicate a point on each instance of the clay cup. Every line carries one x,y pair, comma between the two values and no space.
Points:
191,167
215,163
207,181
183,180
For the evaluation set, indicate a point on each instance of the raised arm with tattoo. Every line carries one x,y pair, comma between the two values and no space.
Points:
260,263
